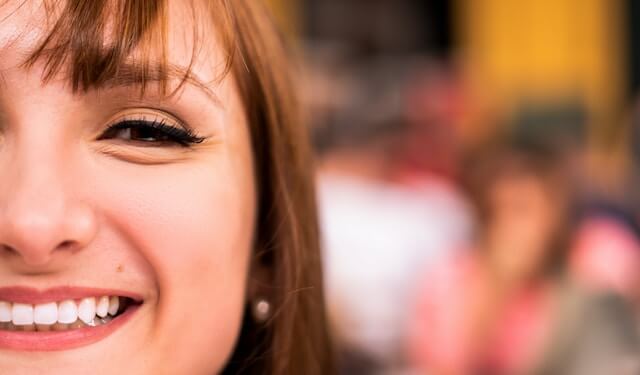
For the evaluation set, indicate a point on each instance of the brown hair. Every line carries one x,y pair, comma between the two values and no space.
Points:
295,339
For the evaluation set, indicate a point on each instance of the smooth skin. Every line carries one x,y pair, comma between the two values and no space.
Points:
173,224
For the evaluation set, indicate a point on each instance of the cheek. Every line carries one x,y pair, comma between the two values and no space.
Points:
193,223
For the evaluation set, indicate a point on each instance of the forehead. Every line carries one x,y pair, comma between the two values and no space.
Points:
84,39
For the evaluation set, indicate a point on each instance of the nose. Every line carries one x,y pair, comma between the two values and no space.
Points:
41,219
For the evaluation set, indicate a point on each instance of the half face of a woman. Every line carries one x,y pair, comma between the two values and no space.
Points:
126,221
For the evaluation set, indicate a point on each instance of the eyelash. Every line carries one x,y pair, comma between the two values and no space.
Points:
159,130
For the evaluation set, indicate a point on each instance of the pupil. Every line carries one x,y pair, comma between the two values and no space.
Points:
144,134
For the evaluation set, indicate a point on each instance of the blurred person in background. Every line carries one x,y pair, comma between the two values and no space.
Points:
380,228
505,307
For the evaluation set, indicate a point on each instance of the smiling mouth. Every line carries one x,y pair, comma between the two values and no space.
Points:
62,318
62,315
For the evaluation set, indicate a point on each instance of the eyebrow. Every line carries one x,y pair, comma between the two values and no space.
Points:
132,74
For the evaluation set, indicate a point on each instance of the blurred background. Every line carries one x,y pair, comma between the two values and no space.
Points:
477,165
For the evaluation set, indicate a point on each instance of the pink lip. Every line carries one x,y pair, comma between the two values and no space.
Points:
21,294
62,340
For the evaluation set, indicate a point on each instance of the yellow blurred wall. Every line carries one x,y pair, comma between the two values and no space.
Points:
546,49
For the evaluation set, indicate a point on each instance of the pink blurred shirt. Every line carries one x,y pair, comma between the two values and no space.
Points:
439,337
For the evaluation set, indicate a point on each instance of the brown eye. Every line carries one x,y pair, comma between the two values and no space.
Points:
152,132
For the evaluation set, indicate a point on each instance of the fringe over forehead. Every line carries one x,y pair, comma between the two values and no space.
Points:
91,41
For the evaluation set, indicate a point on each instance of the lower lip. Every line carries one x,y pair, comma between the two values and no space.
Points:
63,340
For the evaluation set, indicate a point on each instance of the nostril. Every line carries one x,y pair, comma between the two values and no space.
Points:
63,246
67,243
7,249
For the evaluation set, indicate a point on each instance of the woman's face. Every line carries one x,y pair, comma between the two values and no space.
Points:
87,212
525,216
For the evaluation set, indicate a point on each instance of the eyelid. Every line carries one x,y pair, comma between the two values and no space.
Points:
171,130
151,115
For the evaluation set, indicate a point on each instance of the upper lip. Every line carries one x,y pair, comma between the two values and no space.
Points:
29,295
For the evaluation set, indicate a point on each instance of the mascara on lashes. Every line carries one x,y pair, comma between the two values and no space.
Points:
159,131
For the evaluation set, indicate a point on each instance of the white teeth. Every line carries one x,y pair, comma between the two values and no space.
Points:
5,312
67,312
102,309
57,316
87,310
46,313
22,314
114,305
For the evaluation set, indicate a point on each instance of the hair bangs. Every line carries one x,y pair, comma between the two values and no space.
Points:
94,43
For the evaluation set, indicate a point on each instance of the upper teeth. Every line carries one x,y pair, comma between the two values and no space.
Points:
65,312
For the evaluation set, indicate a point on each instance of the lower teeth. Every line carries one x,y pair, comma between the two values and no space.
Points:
97,321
